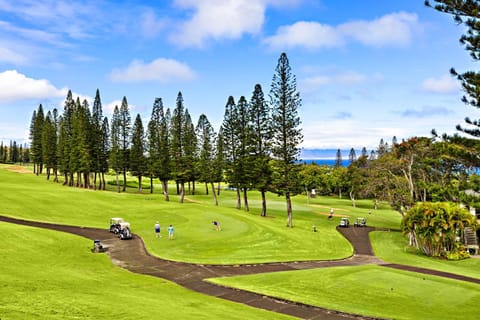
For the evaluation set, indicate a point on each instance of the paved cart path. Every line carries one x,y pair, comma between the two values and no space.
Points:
132,255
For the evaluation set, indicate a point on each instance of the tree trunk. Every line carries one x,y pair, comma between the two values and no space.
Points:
95,181
215,200
104,186
218,189
55,175
352,198
264,204
178,187
140,187
206,188
151,184
118,182
124,180
86,180
165,189
245,199
182,191
239,202
65,180
289,210
48,173
193,187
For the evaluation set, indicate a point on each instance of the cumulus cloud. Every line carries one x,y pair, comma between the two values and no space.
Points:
161,70
212,19
395,29
307,34
16,86
444,84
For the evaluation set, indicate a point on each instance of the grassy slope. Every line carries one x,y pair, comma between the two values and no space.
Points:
245,237
369,290
52,275
392,247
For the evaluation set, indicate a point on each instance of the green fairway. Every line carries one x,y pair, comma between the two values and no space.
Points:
392,247
245,237
53,275
369,290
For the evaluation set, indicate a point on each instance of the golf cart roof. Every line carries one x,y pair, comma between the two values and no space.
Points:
124,224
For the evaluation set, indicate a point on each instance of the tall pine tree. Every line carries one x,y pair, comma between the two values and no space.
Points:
125,132
287,136
138,161
261,134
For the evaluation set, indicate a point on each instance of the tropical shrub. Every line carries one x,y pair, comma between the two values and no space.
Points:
435,228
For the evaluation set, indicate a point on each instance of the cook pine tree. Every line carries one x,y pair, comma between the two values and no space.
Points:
159,146
138,161
177,147
260,135
115,161
206,155
125,128
287,134
231,146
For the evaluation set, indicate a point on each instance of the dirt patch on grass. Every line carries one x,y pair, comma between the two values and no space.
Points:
18,169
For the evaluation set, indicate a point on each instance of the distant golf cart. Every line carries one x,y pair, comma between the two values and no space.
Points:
344,223
121,228
115,225
124,233
360,222
98,246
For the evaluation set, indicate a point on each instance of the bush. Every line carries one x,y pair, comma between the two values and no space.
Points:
459,252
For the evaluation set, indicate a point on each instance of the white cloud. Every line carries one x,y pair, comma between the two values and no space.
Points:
346,133
213,19
109,107
150,24
343,78
161,70
396,29
308,34
9,56
444,84
16,86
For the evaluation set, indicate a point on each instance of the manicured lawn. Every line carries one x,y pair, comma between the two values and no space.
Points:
53,275
369,290
392,247
245,237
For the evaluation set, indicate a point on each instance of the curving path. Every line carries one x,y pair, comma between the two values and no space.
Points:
133,256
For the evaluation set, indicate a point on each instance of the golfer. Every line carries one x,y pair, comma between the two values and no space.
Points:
330,216
170,232
157,230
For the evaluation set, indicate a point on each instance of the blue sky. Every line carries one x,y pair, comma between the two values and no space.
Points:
365,70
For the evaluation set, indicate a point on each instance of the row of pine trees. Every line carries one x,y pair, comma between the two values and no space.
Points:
256,146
